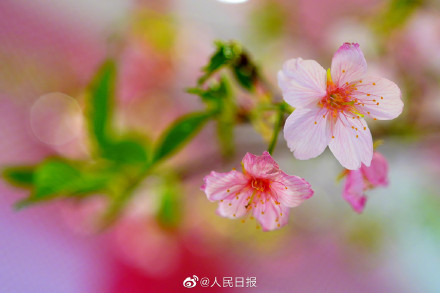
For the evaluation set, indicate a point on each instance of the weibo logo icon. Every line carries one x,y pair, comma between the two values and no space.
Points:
190,282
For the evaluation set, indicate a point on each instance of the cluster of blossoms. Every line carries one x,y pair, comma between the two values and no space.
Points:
330,107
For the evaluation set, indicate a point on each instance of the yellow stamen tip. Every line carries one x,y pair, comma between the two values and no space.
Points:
329,77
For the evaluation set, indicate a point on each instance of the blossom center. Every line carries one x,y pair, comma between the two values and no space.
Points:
260,184
337,100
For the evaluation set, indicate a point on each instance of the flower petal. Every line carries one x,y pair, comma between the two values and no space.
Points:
263,166
377,173
291,191
270,215
348,64
354,190
380,98
352,143
307,132
235,206
303,82
218,186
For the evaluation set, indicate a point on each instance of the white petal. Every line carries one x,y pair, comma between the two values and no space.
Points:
352,143
307,132
379,98
303,82
348,64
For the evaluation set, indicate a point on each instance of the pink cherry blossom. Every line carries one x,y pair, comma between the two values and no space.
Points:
262,190
358,181
331,106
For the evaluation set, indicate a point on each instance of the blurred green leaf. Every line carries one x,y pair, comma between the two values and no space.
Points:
179,133
214,95
21,176
226,53
55,177
128,151
226,119
221,103
245,72
170,214
232,54
101,103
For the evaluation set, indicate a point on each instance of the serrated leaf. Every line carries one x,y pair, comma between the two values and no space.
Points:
179,133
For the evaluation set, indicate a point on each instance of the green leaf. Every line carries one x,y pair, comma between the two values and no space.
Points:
214,96
245,72
225,54
179,133
169,214
22,176
54,178
127,151
101,103
226,118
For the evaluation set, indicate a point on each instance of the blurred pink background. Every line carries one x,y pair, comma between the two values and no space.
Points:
53,48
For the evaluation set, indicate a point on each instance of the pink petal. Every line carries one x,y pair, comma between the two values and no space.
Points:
232,207
221,185
260,166
291,191
348,64
270,215
377,173
380,98
305,138
354,190
352,143
303,82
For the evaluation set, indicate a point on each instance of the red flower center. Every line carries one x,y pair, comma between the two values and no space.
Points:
260,184
338,100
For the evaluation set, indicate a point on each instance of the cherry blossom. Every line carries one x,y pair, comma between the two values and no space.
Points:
261,190
331,106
